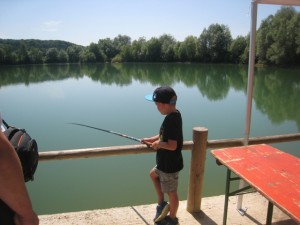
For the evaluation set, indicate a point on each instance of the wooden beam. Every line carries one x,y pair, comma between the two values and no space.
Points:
279,2
197,167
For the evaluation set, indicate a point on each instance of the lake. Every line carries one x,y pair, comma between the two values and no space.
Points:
44,99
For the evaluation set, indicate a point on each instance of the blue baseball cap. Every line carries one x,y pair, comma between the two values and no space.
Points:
164,95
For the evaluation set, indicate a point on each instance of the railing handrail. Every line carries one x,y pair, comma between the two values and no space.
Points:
142,149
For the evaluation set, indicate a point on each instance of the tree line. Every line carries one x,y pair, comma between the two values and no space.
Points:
278,43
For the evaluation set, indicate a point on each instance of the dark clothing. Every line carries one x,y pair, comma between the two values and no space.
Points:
6,214
171,129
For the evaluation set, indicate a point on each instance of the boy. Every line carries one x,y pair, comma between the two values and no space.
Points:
169,161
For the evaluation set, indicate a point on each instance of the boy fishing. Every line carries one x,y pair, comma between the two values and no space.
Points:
168,144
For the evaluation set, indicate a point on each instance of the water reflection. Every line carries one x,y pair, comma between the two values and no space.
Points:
276,90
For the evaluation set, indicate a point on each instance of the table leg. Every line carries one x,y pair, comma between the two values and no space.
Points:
270,213
226,196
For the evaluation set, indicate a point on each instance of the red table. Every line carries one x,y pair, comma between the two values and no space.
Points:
273,173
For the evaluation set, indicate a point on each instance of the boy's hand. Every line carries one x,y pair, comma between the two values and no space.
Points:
155,145
149,141
146,142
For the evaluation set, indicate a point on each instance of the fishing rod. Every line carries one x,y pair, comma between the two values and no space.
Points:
109,131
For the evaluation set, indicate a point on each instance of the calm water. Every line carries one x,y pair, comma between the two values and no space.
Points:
43,99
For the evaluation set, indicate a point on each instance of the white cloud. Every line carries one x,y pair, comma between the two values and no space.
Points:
51,26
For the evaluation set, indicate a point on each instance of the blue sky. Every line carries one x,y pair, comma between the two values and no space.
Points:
84,22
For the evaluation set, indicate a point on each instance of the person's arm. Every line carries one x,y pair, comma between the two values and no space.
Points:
12,186
150,140
169,145
155,143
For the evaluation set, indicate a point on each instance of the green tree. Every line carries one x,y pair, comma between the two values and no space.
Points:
125,55
244,58
203,44
94,48
23,57
120,41
108,48
152,50
297,38
263,40
63,56
282,51
277,38
86,56
122,49
2,55
35,55
167,47
12,58
176,51
73,53
182,53
188,49
52,56
215,43
237,49
137,49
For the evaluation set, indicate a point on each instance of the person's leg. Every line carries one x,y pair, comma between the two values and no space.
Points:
174,204
162,208
173,199
157,186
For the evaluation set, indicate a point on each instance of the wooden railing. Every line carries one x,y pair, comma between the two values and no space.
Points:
198,146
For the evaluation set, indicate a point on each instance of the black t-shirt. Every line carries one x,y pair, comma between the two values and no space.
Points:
166,160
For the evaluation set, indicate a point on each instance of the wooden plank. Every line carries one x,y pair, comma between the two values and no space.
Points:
279,2
273,173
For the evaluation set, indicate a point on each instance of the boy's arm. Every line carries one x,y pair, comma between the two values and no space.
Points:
12,186
150,140
155,143
169,145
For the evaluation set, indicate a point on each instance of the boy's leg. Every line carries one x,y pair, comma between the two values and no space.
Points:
156,183
174,204
162,207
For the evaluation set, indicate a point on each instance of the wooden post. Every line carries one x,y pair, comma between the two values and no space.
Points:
198,156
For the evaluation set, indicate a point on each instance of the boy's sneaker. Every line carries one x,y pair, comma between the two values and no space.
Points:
169,221
162,211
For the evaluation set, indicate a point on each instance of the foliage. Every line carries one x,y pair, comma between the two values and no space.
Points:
215,42
278,43
278,38
237,49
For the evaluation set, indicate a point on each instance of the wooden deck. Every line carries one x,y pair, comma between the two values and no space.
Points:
212,214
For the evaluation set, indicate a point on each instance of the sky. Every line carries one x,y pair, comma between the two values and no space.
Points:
86,21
